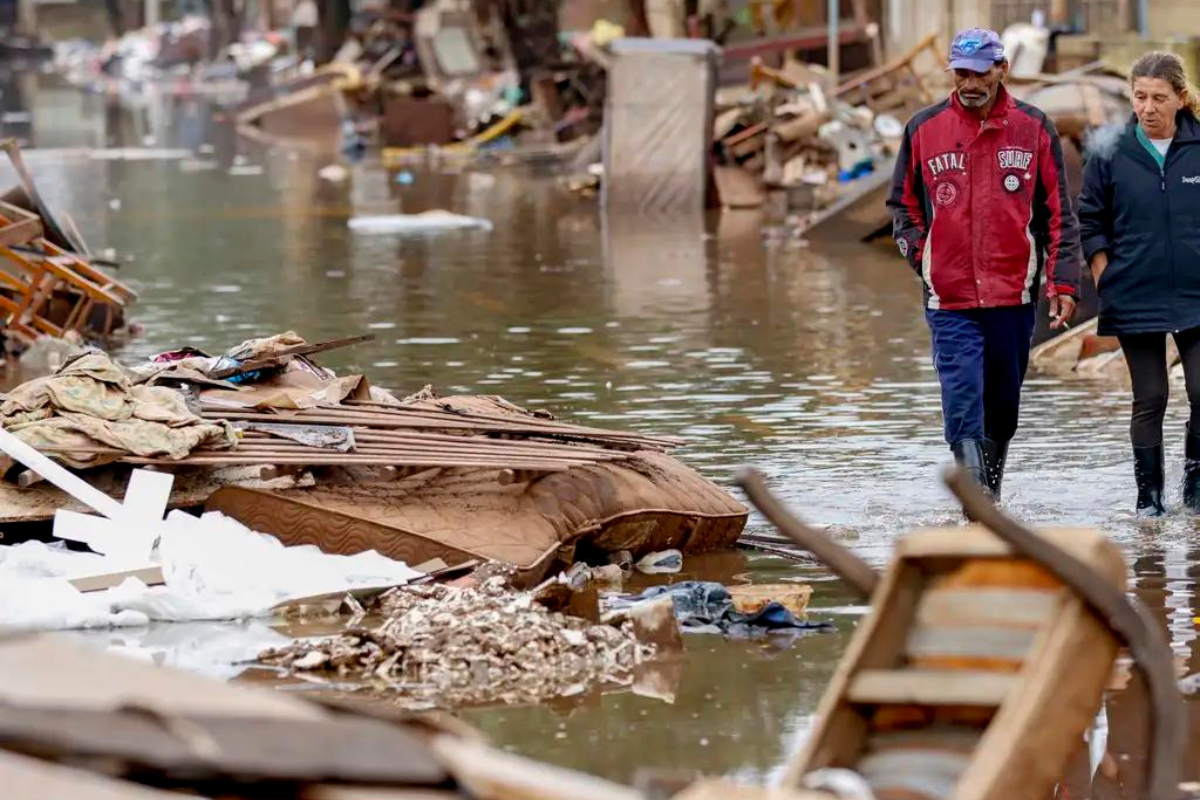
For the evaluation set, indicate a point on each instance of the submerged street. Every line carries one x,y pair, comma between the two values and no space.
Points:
809,363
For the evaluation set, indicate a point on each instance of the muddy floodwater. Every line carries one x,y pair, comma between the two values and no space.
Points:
811,363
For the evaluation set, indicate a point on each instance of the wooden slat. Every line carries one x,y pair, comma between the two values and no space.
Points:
386,449
931,687
321,459
974,607
990,642
329,416
517,447
548,424
20,232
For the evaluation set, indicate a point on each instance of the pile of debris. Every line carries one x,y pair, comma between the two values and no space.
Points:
443,80
166,52
789,130
456,646
287,447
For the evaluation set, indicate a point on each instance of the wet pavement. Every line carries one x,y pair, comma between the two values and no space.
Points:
809,363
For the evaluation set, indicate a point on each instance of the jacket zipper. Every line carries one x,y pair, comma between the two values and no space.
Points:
975,237
1162,175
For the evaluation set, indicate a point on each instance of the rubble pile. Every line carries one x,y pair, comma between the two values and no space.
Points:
448,646
790,129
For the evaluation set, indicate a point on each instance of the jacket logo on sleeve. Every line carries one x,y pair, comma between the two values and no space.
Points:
947,162
1015,158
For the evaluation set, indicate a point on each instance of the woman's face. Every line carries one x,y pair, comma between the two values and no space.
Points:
1156,104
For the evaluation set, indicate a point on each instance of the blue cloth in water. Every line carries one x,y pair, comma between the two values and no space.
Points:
706,606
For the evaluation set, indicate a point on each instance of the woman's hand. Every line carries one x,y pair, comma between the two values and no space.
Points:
1099,264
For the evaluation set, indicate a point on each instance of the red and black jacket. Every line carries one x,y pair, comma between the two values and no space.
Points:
981,209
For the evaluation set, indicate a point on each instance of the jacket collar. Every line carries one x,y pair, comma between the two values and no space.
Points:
1187,127
1004,104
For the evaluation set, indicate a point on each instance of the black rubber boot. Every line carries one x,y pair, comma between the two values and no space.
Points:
969,455
994,456
1191,472
1148,472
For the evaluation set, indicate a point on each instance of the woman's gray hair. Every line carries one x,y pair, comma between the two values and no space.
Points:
1170,68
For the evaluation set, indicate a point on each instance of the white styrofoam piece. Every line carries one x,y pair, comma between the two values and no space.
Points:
95,532
214,568
147,495
70,483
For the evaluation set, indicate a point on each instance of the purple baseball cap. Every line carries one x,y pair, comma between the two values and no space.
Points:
976,49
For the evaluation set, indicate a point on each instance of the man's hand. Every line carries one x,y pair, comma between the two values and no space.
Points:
1062,308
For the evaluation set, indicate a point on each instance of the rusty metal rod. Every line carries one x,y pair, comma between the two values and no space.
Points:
850,567
1131,624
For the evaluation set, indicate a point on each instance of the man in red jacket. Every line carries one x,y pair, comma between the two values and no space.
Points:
980,209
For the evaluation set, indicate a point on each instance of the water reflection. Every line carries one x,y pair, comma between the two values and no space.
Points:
811,363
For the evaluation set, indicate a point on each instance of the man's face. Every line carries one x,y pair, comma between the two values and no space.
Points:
977,89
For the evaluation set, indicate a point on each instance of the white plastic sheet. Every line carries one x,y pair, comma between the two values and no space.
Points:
425,222
214,569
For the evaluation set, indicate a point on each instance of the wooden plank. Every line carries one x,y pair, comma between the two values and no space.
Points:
151,576
486,773
368,442
931,687
423,437
981,642
476,416
240,749
26,778
333,417
1000,607
44,670
975,541
20,232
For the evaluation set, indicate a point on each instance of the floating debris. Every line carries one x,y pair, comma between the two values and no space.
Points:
665,562
449,647
425,222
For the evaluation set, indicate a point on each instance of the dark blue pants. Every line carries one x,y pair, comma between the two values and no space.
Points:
981,356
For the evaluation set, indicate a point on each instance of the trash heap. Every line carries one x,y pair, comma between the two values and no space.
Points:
789,129
457,646
789,138
164,52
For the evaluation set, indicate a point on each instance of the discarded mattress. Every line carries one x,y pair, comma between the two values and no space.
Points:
647,503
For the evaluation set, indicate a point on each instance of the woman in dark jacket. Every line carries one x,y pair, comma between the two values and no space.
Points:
1139,217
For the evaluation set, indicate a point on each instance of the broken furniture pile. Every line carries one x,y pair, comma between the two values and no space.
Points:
449,79
49,285
789,131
